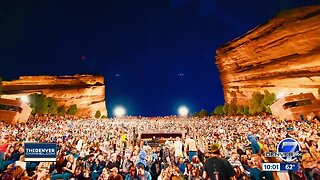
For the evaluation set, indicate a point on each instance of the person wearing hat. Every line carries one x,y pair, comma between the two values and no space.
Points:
142,174
114,174
216,167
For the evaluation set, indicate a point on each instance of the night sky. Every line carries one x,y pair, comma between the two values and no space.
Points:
155,54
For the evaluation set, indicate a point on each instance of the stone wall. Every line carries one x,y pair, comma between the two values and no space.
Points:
281,56
86,91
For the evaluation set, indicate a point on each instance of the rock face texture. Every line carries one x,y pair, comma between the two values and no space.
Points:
281,56
86,91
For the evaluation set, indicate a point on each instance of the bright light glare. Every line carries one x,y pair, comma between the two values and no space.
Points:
25,99
119,111
280,95
183,111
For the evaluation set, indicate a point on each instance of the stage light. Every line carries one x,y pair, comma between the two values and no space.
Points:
183,111
119,111
25,99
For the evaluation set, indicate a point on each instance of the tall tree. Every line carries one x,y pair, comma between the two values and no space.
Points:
218,110
268,100
33,104
62,110
72,110
42,107
98,114
52,107
39,104
243,110
240,110
232,110
203,113
195,114
225,108
256,106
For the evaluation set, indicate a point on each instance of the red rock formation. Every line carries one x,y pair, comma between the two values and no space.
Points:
281,56
86,91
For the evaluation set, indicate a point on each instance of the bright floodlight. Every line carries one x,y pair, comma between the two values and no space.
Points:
119,111
25,99
183,111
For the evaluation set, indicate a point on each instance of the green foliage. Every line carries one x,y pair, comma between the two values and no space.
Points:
256,106
98,114
52,107
72,110
195,114
246,110
243,110
39,104
62,111
42,105
203,113
268,99
232,110
240,110
218,110
225,108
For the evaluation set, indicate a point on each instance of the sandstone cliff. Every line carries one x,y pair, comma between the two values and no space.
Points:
281,56
86,91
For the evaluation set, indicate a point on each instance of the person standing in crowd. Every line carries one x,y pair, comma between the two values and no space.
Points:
254,143
191,146
132,174
104,175
195,174
142,174
68,168
182,166
255,169
166,154
143,156
89,161
177,149
196,163
114,174
216,167
315,173
127,163
124,140
113,162
78,174
97,167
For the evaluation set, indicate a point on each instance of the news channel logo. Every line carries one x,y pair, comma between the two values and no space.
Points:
288,150
40,152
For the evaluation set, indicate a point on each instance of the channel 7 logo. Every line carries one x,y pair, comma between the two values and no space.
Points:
288,150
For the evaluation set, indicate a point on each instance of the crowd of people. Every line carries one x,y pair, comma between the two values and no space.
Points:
211,147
